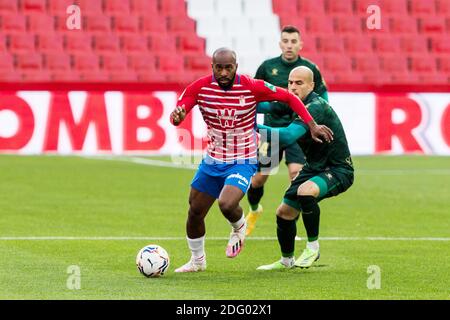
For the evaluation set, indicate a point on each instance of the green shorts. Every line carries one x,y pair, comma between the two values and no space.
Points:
271,157
330,182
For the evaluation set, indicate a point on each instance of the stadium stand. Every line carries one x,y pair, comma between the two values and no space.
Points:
173,40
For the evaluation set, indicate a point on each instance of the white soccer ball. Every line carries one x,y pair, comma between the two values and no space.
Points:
152,261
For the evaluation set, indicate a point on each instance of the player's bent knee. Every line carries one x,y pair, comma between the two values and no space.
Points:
286,212
227,206
258,180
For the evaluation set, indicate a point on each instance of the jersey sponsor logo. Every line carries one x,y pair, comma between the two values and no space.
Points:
274,71
270,86
226,117
329,175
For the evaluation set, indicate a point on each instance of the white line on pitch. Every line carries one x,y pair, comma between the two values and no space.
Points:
150,238
189,166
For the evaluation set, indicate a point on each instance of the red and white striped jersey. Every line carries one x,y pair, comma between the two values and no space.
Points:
230,115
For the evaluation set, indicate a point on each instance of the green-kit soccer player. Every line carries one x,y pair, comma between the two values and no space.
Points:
327,172
276,71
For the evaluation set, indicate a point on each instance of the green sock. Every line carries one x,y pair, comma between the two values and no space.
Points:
286,231
310,216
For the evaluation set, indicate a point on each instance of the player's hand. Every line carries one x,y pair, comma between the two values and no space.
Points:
320,132
178,115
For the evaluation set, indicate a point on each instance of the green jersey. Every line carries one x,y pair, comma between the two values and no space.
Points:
276,71
322,156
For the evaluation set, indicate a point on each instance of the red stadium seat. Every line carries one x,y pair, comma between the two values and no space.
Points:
319,25
358,44
396,7
393,63
126,24
170,62
41,23
386,44
123,76
150,8
330,43
337,63
443,64
3,47
179,24
85,62
403,24
443,7
8,6
57,61
134,43
6,61
422,7
191,43
284,7
339,7
98,23
59,7
142,62
65,76
33,5
10,76
49,43
29,61
77,42
156,24
307,7
423,64
413,44
440,44
106,43
347,78
197,63
161,43
366,64
432,24
94,76
173,7
91,7
13,23
348,24
22,43
114,62
117,7
361,6
152,77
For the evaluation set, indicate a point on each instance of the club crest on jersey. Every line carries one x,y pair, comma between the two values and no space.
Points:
274,71
227,117
270,86
242,100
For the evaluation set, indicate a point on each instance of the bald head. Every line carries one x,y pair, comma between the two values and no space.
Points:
224,53
301,81
224,67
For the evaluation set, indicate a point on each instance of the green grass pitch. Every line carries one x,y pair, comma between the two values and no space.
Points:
401,201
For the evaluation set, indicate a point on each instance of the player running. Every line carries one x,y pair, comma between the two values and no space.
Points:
227,102
328,171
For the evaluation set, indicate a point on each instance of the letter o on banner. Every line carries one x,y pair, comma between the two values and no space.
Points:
25,129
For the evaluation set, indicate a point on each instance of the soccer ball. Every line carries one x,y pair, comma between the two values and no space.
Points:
152,261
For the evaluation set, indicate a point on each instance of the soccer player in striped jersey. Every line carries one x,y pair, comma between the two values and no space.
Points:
227,102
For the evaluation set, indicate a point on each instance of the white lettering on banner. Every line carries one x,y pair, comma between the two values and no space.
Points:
35,122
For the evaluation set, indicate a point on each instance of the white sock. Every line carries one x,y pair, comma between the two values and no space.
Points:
313,245
287,261
197,247
238,224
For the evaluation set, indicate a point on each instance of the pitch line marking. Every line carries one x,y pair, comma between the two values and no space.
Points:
167,164
150,238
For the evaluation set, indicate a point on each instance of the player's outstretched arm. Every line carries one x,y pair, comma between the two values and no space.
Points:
287,135
319,132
